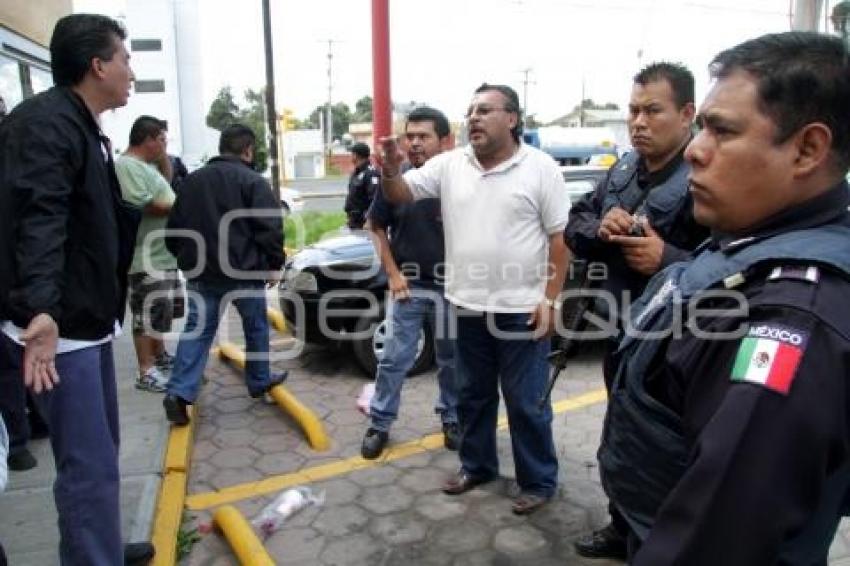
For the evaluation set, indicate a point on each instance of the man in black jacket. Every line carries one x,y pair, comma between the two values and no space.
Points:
639,220
225,198
66,241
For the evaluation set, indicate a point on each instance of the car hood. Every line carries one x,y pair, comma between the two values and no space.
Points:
355,249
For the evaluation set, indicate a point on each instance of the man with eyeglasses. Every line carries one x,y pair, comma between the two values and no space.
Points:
504,209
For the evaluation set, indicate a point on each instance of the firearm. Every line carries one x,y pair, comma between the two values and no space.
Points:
572,313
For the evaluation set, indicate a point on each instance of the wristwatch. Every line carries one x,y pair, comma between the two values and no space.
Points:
552,304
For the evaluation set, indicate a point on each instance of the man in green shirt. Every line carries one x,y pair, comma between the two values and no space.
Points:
144,172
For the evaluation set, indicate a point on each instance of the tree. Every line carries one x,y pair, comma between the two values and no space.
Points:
340,116
588,104
362,110
224,111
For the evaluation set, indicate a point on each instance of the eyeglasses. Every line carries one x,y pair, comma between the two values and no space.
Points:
483,110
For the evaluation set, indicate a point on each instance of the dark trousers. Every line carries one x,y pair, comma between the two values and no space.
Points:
13,406
519,366
609,368
82,413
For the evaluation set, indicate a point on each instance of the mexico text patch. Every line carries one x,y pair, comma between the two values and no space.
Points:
769,356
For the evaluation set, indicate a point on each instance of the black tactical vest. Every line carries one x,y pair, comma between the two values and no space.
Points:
643,452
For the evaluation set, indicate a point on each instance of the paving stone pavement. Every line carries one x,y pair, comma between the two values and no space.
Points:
395,513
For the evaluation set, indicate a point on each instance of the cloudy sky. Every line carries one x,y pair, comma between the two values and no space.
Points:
443,49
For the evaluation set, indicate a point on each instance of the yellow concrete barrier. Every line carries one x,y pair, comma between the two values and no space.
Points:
276,319
306,418
245,544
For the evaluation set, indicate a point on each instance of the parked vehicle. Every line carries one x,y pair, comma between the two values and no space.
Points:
291,200
335,290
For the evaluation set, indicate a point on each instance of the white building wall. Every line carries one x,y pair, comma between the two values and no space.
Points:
177,64
303,144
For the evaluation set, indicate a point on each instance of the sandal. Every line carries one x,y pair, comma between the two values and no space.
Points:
527,503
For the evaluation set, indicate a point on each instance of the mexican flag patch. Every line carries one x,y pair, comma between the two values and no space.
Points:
769,355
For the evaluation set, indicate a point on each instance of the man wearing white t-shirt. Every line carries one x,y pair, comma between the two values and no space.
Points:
504,207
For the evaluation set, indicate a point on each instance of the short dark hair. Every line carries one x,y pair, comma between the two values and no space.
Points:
235,139
76,40
428,114
511,104
361,150
681,80
146,127
802,77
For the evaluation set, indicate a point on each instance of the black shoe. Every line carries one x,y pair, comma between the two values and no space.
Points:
276,379
451,436
373,443
21,460
138,553
175,410
604,543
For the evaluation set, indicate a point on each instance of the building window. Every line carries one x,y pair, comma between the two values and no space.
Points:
11,89
145,45
150,86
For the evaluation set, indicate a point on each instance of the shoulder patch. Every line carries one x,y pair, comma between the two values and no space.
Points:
809,273
769,355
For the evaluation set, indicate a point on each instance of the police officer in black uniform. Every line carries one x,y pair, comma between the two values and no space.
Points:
645,193
727,441
362,184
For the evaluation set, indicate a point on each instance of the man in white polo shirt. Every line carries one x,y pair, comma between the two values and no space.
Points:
504,207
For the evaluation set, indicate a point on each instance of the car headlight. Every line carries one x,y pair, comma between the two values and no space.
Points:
300,281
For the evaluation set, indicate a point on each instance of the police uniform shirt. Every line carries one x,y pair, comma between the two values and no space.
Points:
767,429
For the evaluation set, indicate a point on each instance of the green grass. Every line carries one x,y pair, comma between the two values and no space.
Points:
187,536
313,224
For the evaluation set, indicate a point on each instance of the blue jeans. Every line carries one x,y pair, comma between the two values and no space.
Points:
406,319
207,302
82,413
519,365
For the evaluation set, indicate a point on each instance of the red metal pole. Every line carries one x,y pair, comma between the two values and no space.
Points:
381,100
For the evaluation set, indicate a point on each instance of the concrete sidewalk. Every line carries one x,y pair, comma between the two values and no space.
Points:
28,529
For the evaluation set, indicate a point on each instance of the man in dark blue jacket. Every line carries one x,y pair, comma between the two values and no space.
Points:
66,241
645,195
225,198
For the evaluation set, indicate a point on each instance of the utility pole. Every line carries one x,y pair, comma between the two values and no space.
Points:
525,83
271,112
329,115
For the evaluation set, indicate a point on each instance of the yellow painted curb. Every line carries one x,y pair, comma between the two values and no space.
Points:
306,419
179,450
172,492
276,319
245,544
169,514
201,501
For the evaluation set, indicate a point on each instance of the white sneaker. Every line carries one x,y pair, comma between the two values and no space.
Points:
152,380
